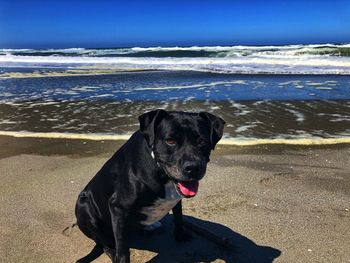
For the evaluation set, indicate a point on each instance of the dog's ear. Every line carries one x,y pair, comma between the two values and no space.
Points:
149,122
216,126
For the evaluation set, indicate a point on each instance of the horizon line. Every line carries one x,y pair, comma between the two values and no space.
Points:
183,46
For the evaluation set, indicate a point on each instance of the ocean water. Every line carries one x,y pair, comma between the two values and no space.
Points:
274,92
290,59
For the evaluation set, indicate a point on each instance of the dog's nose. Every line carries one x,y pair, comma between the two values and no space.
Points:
190,167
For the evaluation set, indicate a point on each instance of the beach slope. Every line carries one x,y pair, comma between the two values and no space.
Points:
275,202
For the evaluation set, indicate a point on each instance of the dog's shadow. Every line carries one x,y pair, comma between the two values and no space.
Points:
199,249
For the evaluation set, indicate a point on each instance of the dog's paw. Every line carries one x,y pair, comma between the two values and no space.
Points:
182,235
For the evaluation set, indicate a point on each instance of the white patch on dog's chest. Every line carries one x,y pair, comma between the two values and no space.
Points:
161,206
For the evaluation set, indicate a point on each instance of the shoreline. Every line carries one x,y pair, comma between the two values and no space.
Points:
225,141
79,147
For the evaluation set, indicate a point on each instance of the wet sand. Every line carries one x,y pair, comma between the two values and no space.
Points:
275,202
253,106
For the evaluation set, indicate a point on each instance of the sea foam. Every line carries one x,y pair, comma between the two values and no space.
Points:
290,59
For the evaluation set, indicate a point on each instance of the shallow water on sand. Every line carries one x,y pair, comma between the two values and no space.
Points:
254,106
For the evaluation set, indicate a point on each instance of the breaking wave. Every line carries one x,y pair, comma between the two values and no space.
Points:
289,59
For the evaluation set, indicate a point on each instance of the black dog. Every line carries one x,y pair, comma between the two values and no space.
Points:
146,178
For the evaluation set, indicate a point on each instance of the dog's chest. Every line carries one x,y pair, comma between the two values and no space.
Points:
161,206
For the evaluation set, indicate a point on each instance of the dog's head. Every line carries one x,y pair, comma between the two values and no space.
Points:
181,143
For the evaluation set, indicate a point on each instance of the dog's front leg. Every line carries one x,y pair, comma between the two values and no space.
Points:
180,233
119,223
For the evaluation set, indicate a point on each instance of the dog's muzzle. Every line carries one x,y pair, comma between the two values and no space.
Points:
184,188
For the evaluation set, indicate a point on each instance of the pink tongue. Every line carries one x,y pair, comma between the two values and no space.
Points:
188,189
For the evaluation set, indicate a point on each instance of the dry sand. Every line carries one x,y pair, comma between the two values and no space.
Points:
275,202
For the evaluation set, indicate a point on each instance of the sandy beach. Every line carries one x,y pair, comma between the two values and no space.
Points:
276,203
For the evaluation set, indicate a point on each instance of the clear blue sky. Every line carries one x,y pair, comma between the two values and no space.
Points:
102,23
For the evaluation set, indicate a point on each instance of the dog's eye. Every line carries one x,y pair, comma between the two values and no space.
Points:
170,141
